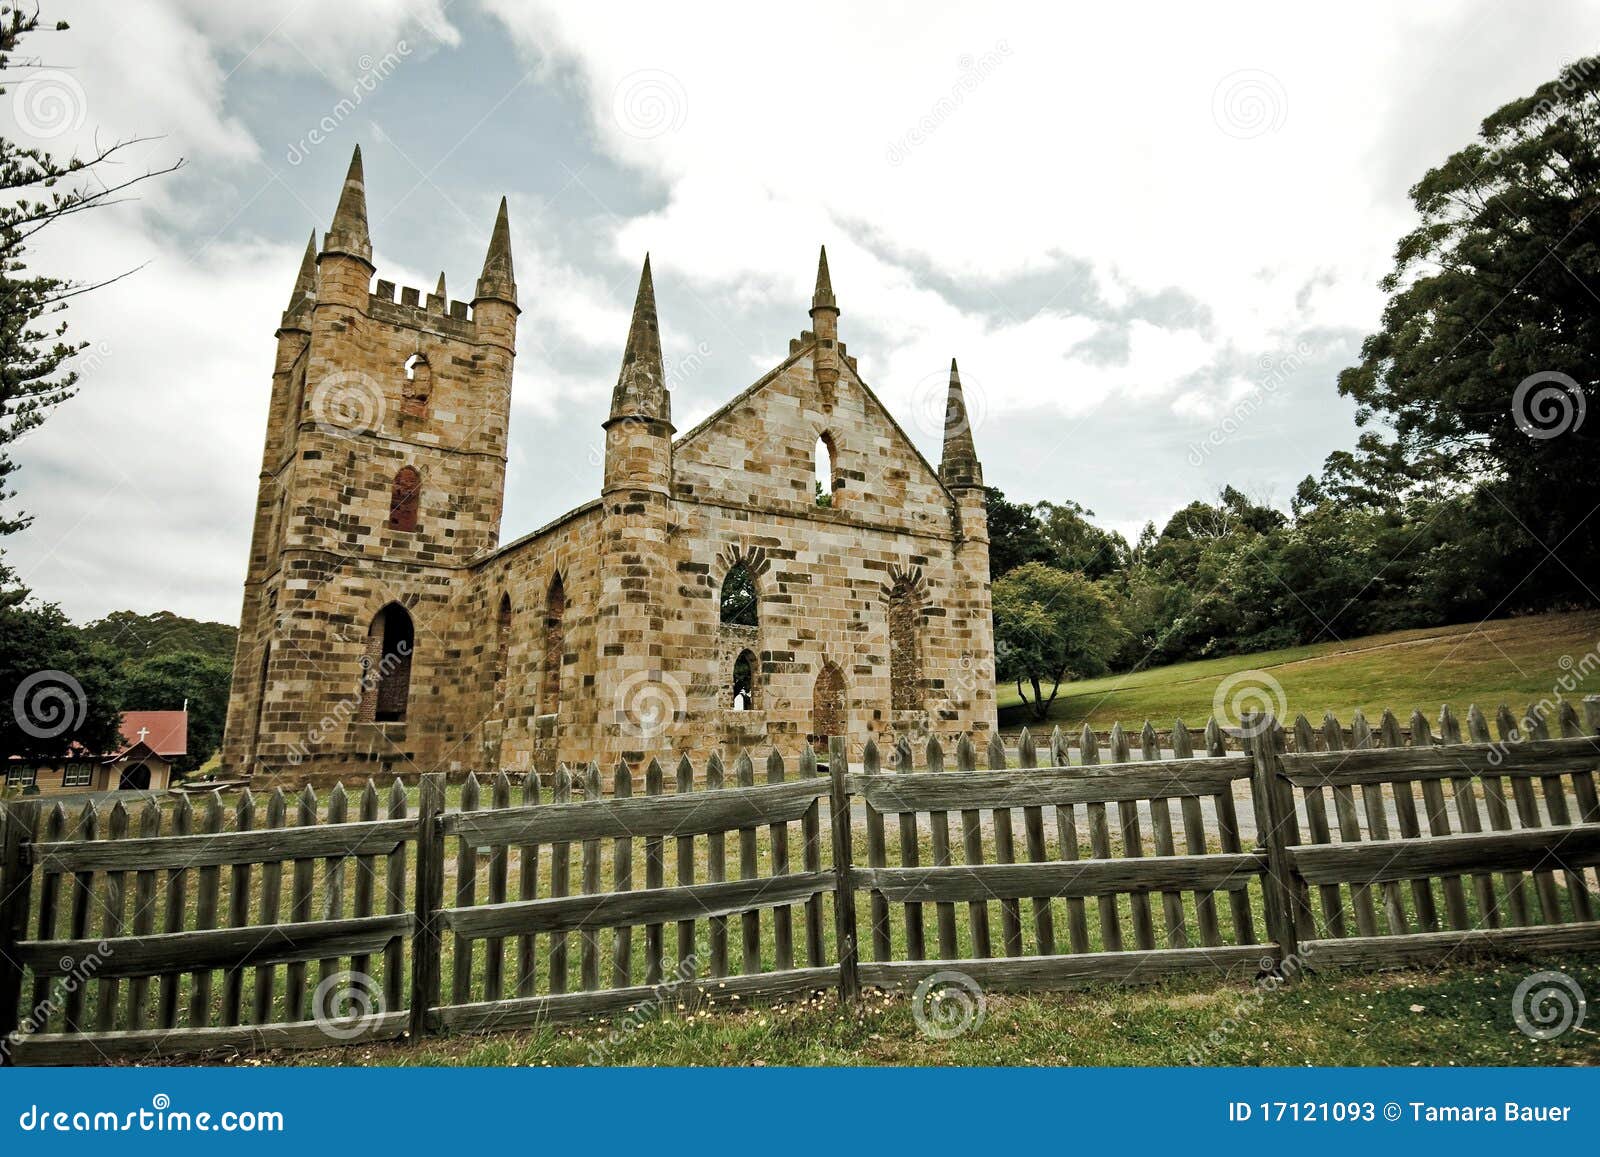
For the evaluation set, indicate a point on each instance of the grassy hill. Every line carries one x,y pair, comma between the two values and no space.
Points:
1517,661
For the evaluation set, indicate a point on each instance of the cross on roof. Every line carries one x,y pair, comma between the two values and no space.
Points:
144,733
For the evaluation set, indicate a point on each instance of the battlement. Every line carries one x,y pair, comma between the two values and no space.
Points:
796,344
454,318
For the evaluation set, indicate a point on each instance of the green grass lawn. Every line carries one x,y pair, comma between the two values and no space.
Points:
1460,1015
1516,661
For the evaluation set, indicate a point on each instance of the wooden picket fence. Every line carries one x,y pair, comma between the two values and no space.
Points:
171,933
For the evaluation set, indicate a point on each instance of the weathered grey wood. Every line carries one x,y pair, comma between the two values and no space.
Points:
877,857
1405,808
1583,782
1555,801
394,885
1004,848
205,918
270,911
1079,878
153,1044
685,869
1525,759
528,889
1046,786
744,774
683,814
1194,840
362,899
621,881
1216,742
302,885
427,942
1273,830
910,857
778,837
466,894
1144,928
174,916
224,948
333,883
1494,802
717,872
1571,848
589,938
494,949
1466,800
54,829
1305,739
1344,804
1436,947
579,1006
1100,847
1361,739
18,826
844,898
1172,913
1044,931
83,897
939,833
811,828
224,849
971,852
655,876
1043,972
1516,742
561,879
112,924
1455,895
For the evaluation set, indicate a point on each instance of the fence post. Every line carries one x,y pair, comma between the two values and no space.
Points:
426,941
844,900
17,821
1273,831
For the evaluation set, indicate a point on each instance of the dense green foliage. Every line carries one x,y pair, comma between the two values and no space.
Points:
1051,625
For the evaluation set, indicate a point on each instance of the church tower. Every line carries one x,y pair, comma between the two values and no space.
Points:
383,475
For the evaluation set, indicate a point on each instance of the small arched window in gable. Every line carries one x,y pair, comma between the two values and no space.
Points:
417,389
827,475
744,681
404,498
740,607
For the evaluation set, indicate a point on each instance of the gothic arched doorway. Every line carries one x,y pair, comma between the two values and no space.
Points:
135,778
828,714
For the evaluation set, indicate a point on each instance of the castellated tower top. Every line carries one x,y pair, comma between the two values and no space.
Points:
349,232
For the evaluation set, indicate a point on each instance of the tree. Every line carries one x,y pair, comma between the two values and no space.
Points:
1075,543
57,691
166,682
135,636
1015,536
1486,366
37,191
1051,626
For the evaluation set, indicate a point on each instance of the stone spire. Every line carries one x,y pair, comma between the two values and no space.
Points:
349,232
438,290
822,298
305,282
958,465
497,278
641,390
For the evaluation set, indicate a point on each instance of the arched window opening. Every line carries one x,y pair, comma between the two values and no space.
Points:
905,656
744,681
417,390
404,498
828,709
261,700
555,638
740,606
502,649
827,479
386,666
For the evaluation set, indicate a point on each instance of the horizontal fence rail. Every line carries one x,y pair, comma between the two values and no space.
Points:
180,928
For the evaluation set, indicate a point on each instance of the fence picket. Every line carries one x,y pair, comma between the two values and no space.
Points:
1194,843
783,915
1144,928
205,919
1455,896
271,901
302,887
910,857
111,926
811,827
1033,835
1471,821
1161,828
877,857
561,883
744,773
971,853
394,884
685,873
1544,880
1344,805
655,876
1005,853
1494,802
1378,825
939,828
1100,849
717,873
1405,807
366,880
494,948
1555,802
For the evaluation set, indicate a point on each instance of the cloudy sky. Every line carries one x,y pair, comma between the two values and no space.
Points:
1131,224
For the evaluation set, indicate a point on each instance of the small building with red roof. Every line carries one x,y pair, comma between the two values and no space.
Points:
152,742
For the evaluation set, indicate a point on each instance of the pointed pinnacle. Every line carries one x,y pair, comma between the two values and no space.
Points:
438,290
958,465
348,234
823,298
498,279
641,385
305,282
